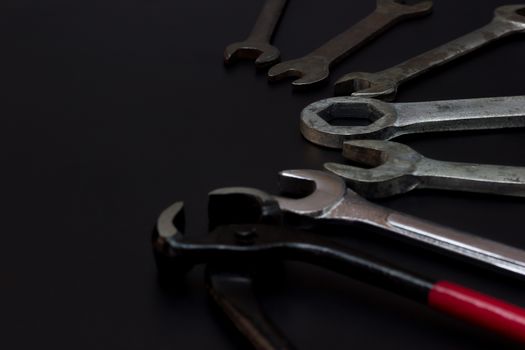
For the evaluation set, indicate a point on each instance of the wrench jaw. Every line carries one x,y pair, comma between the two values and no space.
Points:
392,173
368,185
513,14
312,193
264,54
315,120
310,70
368,85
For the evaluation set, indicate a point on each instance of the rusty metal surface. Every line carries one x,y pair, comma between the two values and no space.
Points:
390,120
314,68
112,109
397,168
507,20
257,45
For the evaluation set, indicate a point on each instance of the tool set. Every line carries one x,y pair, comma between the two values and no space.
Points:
251,229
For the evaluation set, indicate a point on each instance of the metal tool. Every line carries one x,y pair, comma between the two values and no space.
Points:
328,199
314,67
257,45
232,291
508,20
389,120
397,169
230,251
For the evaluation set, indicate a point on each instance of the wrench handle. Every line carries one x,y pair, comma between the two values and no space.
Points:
267,21
468,114
448,52
351,39
481,178
476,249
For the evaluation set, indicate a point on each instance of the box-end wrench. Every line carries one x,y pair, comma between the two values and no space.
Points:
257,45
508,20
314,67
389,120
328,199
397,169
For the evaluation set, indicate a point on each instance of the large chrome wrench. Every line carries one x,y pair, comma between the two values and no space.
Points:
314,67
508,20
389,120
397,169
257,45
331,200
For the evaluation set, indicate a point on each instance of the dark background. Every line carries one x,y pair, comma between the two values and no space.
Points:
111,110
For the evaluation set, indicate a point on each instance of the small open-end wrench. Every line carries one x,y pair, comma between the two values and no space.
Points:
397,169
257,45
326,198
389,120
315,66
508,20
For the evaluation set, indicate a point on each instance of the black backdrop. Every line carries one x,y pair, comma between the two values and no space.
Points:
111,110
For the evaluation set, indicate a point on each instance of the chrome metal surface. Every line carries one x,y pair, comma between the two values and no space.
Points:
348,206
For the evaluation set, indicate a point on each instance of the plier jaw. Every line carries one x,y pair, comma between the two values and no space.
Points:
232,214
242,205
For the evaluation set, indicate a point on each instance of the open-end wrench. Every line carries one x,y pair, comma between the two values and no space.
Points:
328,199
508,20
257,45
314,67
397,169
389,120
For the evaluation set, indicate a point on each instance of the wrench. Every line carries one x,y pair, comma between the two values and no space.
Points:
390,120
330,200
508,20
399,169
257,45
314,67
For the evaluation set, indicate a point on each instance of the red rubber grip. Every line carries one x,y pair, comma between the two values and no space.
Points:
478,308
